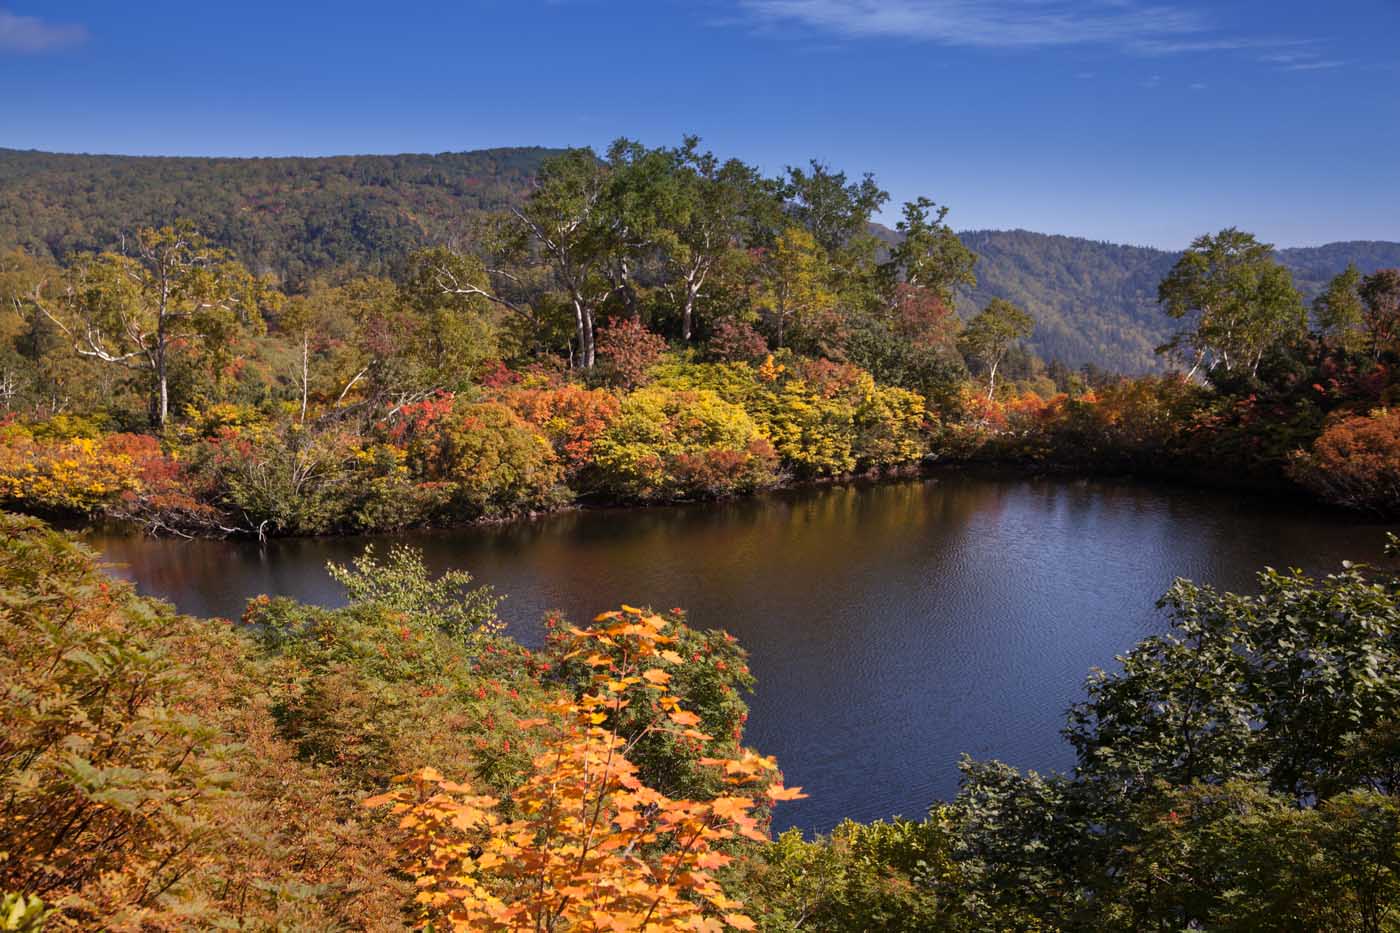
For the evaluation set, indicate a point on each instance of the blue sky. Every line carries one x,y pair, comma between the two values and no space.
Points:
1140,121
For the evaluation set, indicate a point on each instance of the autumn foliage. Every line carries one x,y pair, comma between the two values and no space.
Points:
589,846
144,783
126,476
627,349
570,416
1356,462
77,475
737,342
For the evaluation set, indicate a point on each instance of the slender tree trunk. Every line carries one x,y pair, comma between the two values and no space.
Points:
162,390
305,371
589,350
629,294
992,380
1200,356
579,337
583,317
693,281
162,380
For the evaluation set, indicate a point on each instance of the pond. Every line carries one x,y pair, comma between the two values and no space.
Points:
892,627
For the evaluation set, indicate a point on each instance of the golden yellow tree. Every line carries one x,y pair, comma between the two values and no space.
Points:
586,845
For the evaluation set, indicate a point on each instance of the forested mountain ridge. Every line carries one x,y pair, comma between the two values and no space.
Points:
287,216
1096,302
1093,302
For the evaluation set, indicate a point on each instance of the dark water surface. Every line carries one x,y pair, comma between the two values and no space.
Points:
892,627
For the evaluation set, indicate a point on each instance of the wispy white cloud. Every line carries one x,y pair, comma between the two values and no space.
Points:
1139,27
32,35
1181,46
987,23
1320,64
1302,60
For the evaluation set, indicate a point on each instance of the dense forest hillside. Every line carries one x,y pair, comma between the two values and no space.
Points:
290,216
1096,302
1093,302
1313,267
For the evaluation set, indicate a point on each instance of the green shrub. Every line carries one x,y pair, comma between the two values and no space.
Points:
20,914
896,876
414,665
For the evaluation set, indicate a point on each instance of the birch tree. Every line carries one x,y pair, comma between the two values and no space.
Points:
172,292
1237,301
929,256
992,332
717,202
565,218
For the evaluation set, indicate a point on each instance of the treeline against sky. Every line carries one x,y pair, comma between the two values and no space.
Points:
299,218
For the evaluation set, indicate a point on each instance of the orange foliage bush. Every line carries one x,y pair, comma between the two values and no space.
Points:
571,416
1355,462
592,847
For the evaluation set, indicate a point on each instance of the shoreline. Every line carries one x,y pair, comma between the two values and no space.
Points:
1278,492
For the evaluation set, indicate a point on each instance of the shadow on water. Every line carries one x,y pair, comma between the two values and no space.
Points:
892,627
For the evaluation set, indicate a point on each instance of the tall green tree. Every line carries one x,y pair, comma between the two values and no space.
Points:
642,204
929,254
832,209
1338,310
456,325
567,219
907,334
1237,301
1380,300
991,333
410,339
174,292
717,203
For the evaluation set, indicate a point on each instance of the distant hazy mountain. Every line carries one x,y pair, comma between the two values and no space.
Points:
1094,302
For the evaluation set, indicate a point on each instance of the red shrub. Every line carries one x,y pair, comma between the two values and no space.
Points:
627,350
737,342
